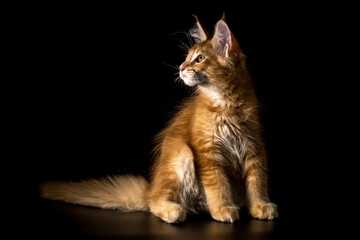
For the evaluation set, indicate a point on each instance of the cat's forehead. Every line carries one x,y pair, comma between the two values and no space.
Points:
199,48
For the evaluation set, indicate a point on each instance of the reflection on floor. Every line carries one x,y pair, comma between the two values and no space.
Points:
71,221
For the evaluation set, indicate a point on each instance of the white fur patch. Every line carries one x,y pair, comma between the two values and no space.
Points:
186,173
213,94
188,78
189,188
234,144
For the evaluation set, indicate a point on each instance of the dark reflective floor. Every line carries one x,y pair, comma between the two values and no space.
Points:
64,221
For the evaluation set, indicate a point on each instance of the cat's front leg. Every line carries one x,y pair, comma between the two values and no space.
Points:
218,192
258,201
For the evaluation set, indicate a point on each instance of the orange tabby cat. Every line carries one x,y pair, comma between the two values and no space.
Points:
210,157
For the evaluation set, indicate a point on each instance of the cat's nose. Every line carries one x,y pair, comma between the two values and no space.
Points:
181,68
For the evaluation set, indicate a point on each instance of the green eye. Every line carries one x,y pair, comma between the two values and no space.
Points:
200,58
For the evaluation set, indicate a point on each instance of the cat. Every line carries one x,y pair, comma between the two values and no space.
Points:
210,157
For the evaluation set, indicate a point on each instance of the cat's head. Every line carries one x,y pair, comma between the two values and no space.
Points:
212,60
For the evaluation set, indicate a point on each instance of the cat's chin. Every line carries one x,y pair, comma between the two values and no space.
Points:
190,82
194,78
201,79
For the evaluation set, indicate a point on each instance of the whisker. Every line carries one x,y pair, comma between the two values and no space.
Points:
180,32
186,49
183,45
178,79
190,40
169,65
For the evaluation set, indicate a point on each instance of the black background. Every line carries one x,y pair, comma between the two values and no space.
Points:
92,86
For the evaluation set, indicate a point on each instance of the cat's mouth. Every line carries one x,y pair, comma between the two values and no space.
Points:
193,78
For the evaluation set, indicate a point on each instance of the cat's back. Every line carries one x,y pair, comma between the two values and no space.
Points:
180,125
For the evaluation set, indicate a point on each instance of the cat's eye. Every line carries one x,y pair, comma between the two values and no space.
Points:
200,58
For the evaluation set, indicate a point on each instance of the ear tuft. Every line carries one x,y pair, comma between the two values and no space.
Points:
197,20
222,38
198,32
223,16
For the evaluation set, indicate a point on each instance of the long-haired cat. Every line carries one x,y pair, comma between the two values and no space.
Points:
210,157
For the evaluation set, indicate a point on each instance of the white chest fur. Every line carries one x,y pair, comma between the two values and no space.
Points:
232,141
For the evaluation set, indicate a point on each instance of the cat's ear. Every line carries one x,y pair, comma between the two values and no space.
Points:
198,32
223,39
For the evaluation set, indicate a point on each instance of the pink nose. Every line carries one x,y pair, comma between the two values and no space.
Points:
182,68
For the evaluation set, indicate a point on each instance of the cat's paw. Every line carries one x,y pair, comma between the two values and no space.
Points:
173,214
168,211
227,214
264,211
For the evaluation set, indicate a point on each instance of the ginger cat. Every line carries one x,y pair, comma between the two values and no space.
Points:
210,157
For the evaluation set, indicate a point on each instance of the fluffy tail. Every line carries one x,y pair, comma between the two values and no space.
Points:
125,193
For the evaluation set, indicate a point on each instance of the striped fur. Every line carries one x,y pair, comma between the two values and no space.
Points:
210,157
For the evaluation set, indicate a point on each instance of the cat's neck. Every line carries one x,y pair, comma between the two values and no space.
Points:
235,92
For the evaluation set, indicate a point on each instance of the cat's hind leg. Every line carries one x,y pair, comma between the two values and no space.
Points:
168,211
172,181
